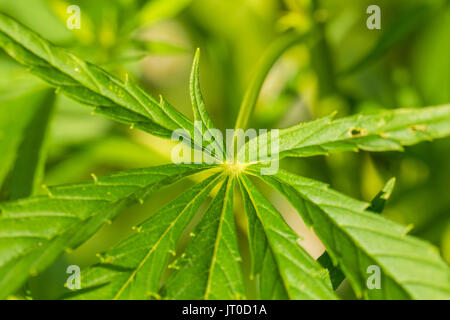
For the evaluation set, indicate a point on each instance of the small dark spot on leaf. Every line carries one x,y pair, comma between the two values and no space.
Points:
357,132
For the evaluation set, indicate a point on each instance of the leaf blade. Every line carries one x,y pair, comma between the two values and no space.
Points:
293,272
376,206
198,103
120,100
411,268
36,230
211,272
385,131
133,268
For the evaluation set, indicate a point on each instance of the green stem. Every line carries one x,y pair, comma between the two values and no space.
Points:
273,53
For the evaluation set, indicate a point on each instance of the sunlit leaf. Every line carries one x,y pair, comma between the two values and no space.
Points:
133,268
385,131
284,268
35,231
120,100
358,239
210,267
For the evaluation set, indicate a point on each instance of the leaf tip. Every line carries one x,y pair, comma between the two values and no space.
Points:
333,114
408,228
94,177
388,188
68,250
47,191
197,54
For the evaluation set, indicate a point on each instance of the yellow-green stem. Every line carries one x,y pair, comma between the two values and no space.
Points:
272,54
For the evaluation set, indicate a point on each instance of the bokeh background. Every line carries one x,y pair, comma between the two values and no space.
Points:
349,69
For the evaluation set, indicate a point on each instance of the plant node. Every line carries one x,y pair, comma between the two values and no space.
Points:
234,168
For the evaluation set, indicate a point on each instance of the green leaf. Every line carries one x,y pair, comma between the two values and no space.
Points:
210,267
30,160
36,230
120,100
377,203
273,53
133,268
336,274
358,239
198,103
430,63
17,114
386,131
285,269
376,206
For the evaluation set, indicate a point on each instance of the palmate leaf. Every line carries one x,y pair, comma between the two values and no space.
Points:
36,230
386,131
210,267
133,268
285,269
357,239
120,100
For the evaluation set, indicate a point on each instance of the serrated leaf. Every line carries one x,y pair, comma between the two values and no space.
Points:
120,100
36,230
376,206
386,131
357,239
210,268
286,269
198,103
133,268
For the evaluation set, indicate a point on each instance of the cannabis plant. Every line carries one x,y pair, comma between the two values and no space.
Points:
35,230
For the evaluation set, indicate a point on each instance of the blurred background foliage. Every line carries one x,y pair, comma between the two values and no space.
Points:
347,68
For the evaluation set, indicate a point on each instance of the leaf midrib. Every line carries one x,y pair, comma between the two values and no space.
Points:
218,238
135,271
271,248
